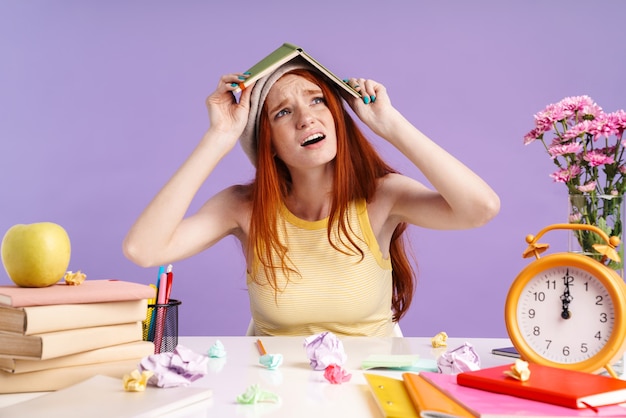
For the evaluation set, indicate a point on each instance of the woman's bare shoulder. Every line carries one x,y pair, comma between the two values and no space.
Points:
241,192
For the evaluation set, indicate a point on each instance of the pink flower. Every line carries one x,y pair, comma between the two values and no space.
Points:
566,174
562,149
597,158
572,109
604,126
620,119
575,218
588,145
583,105
577,130
335,374
589,187
532,136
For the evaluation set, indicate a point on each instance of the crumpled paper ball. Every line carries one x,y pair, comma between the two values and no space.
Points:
254,394
136,381
439,340
461,359
178,368
519,371
271,361
74,279
336,374
217,350
324,349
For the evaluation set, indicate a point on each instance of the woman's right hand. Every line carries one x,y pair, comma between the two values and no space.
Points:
226,114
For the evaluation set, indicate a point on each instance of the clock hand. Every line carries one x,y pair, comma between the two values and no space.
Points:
566,297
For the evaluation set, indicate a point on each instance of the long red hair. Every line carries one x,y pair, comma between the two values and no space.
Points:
357,169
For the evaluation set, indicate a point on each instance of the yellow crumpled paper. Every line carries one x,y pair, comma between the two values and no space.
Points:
440,340
137,382
74,279
519,371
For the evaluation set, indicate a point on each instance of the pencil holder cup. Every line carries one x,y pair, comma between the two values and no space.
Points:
161,326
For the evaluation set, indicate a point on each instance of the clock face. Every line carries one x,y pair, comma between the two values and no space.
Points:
565,314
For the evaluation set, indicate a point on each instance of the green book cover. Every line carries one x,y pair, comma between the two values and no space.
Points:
285,53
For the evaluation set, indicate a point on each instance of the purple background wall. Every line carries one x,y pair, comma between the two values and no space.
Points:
101,101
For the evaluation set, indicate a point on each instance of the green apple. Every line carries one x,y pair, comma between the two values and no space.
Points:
36,255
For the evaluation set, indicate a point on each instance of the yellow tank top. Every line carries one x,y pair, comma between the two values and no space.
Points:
332,291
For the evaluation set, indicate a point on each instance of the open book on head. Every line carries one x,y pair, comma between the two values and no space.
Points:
285,53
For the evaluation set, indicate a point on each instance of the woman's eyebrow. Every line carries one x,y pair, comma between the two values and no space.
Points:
307,92
280,105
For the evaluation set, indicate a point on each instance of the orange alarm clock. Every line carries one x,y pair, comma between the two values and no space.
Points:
568,310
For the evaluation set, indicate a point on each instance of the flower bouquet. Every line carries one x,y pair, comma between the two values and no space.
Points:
588,149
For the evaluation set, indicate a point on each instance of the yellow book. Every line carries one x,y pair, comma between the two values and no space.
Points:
31,320
126,351
391,396
62,343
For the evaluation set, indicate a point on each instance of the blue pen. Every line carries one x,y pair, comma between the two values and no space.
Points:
158,283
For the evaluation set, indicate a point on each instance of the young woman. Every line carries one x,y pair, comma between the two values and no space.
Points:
321,224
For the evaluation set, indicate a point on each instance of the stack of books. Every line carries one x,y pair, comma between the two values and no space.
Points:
56,336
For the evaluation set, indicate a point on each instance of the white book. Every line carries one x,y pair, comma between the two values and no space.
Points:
103,396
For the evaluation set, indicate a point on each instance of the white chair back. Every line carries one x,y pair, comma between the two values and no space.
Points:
397,332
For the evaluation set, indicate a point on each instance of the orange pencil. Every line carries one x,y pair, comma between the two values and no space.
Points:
259,345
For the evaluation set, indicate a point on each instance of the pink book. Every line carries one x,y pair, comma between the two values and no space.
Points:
486,404
89,291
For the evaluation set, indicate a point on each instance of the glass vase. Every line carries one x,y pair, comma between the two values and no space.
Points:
603,211
607,213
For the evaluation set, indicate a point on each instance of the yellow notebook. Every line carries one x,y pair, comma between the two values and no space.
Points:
412,397
391,396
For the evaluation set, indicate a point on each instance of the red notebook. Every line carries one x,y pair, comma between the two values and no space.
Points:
568,388
486,404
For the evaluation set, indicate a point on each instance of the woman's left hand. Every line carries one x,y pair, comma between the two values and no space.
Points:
374,107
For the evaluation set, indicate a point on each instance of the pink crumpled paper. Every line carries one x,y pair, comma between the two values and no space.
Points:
460,359
323,350
178,368
336,374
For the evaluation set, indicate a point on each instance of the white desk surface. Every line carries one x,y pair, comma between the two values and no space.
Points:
303,391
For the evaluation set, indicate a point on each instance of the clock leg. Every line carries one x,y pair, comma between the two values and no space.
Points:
620,367
611,371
